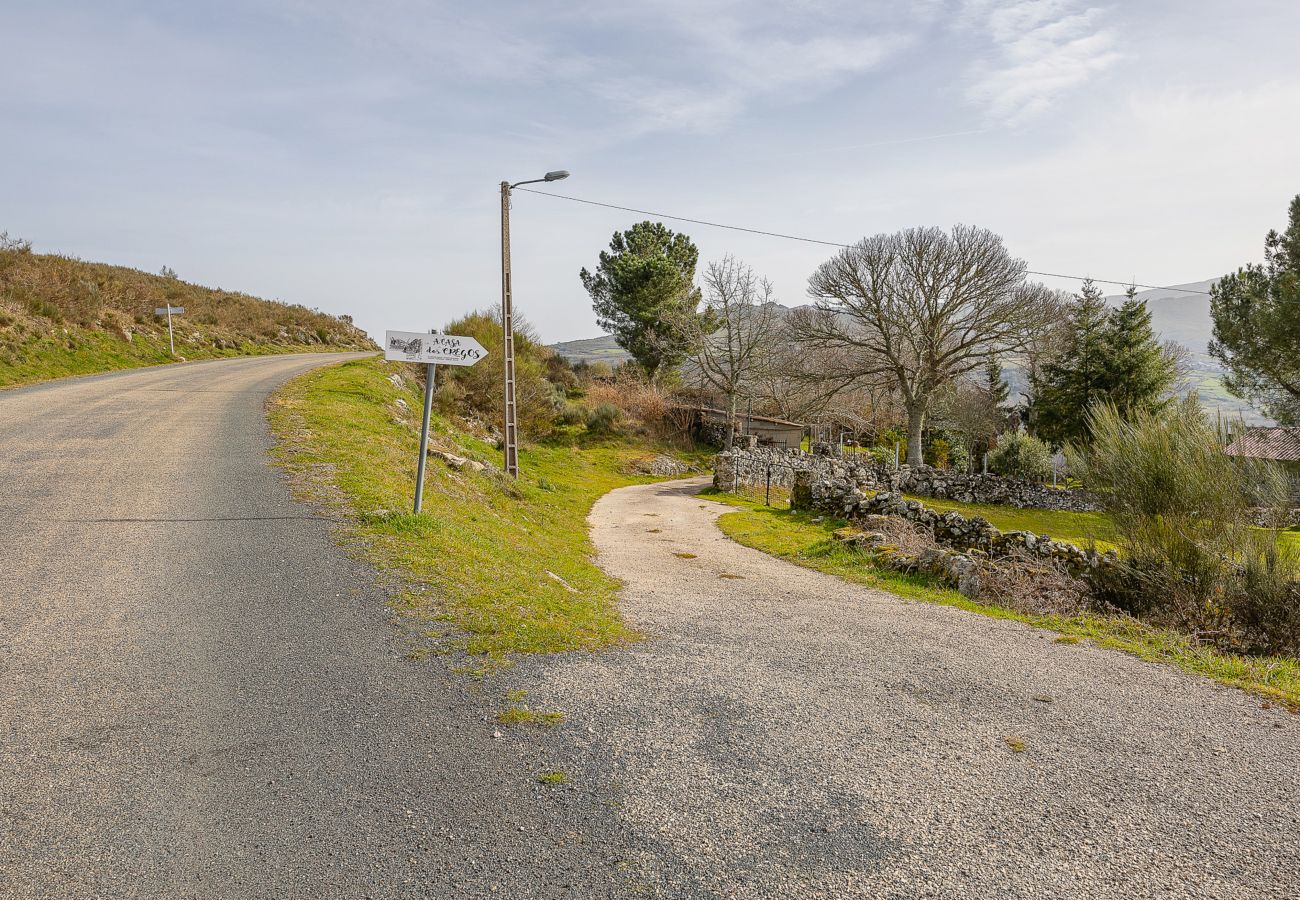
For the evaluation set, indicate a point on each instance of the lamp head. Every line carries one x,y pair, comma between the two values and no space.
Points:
557,175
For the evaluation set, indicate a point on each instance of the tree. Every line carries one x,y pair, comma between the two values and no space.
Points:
1256,332
1108,356
734,335
643,292
921,308
1141,369
976,408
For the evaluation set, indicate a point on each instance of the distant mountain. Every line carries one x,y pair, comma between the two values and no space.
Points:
590,350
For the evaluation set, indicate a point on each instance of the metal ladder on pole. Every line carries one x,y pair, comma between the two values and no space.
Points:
511,435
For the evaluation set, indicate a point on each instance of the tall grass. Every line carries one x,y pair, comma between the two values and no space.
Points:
1181,514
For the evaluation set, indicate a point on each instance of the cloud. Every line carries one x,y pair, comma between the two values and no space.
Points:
1042,50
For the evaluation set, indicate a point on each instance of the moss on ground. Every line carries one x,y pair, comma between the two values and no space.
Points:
797,538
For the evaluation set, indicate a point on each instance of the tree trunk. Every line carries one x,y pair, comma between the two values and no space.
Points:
915,422
730,440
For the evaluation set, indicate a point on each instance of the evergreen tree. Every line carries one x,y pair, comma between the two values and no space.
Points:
1074,377
994,386
643,292
1110,356
1139,371
1257,325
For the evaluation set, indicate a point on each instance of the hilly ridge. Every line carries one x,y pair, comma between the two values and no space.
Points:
62,316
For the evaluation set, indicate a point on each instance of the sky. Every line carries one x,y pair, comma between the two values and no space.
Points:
348,156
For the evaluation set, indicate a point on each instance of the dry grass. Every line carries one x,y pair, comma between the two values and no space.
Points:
62,316
1035,586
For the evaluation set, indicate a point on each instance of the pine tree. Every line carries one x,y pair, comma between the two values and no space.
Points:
1111,356
1139,371
644,293
994,386
1256,332
1075,377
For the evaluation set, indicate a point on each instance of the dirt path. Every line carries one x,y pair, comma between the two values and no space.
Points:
787,734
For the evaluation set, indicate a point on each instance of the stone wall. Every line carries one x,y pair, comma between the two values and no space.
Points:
751,467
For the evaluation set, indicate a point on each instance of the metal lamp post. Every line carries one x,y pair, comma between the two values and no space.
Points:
508,322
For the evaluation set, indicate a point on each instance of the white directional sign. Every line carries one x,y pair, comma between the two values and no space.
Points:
435,349
169,311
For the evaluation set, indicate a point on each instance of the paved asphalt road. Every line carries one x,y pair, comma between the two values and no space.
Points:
200,695
786,734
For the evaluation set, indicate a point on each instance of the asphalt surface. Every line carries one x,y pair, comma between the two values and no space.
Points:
200,695
787,734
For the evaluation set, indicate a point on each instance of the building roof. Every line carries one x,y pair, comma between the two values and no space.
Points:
1267,443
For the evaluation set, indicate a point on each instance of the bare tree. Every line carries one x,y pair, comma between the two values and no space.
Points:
734,337
921,307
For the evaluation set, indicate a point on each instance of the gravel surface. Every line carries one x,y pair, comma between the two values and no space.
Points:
200,695
787,734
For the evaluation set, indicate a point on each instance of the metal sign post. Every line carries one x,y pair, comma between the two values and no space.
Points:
170,311
430,349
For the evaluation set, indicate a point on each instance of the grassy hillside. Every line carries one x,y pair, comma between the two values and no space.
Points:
590,350
61,316
507,564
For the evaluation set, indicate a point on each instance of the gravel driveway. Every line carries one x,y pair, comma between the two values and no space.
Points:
787,734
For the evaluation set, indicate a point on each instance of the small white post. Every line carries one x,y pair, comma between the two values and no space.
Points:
896,448
986,462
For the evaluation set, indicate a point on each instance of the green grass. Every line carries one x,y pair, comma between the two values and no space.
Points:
797,538
506,566
91,352
1081,528
61,316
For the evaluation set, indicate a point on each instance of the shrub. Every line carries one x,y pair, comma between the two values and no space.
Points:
604,419
883,456
644,406
938,453
1180,508
1023,456
476,391
573,414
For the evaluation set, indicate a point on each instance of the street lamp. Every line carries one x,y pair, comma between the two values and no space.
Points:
508,322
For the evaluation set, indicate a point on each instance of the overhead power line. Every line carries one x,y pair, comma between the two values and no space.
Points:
808,240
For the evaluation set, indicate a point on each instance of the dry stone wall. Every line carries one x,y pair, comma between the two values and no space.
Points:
752,468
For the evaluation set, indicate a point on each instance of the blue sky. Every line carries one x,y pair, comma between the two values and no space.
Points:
347,155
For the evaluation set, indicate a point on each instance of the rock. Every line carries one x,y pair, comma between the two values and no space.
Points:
662,464
398,381
401,405
457,462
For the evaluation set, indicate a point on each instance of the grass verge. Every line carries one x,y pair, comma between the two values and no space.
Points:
797,538
1081,528
506,565
90,353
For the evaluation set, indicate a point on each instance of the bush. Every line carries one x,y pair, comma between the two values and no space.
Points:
643,405
476,391
1023,456
604,419
1180,507
883,456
